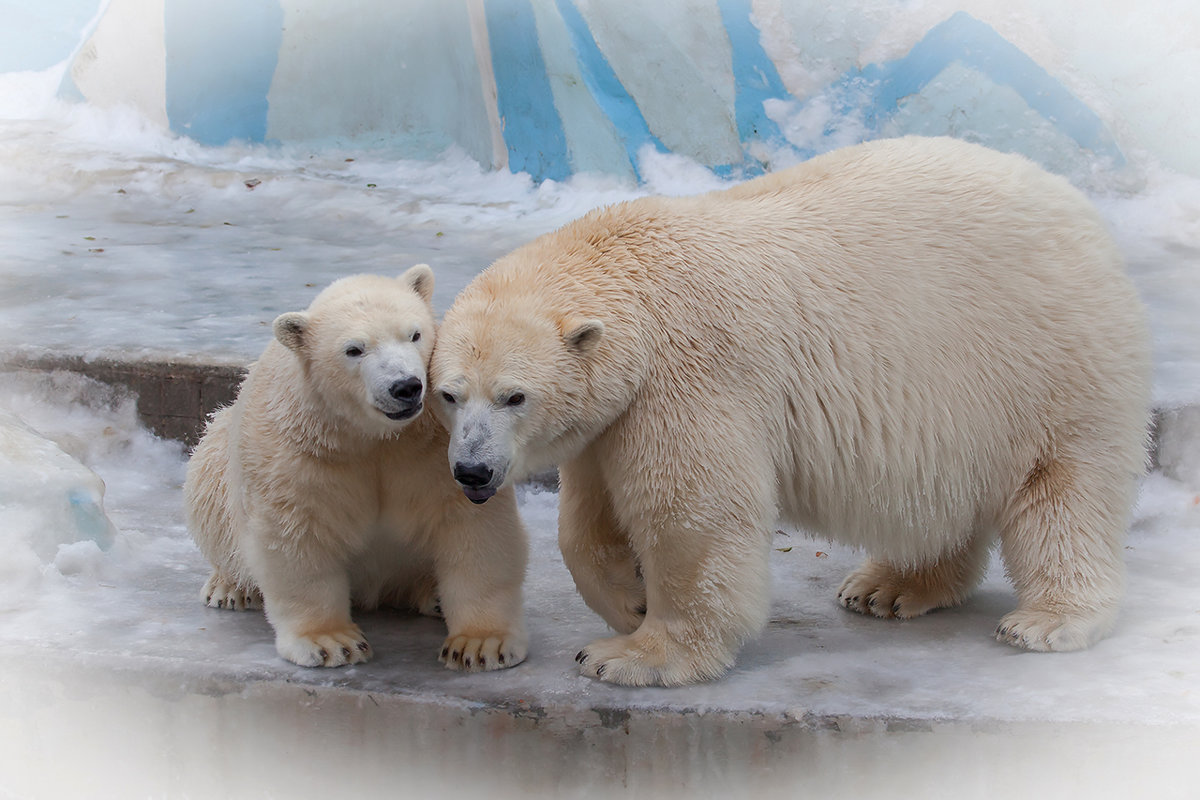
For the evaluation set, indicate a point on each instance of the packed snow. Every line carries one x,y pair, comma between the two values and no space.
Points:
120,240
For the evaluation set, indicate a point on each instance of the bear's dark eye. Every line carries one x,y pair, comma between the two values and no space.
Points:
416,337
353,351
515,399
449,398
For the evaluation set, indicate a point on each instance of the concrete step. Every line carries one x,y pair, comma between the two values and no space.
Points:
174,398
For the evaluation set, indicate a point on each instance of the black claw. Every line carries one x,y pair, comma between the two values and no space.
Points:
363,646
895,609
483,661
600,670
346,653
454,656
208,599
467,662
220,604
445,652
324,654
580,657
871,602
500,658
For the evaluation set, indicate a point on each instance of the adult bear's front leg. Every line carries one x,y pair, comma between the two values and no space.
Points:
707,591
597,553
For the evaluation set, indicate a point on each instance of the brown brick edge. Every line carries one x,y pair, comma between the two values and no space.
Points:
174,399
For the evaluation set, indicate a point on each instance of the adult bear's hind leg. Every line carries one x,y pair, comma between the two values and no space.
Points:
1061,540
888,590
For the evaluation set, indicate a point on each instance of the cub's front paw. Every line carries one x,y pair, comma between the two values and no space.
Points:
477,652
328,648
220,592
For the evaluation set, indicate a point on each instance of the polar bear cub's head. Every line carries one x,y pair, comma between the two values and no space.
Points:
364,346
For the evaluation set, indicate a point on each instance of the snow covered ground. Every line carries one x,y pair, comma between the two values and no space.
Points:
114,678
138,596
120,241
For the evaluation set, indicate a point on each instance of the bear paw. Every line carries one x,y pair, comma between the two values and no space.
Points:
649,660
882,591
1051,631
332,648
219,592
427,603
483,652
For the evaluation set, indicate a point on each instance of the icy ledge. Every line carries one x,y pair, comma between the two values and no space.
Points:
116,682
98,727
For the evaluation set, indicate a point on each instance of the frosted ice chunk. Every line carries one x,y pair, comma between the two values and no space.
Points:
47,498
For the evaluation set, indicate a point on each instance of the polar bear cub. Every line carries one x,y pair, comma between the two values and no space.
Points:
912,345
322,486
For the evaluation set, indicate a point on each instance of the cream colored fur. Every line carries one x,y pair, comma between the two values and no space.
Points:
305,496
910,345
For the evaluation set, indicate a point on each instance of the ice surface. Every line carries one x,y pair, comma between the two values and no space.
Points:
1179,444
1158,229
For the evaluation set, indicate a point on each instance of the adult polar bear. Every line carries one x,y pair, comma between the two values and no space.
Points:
322,485
910,345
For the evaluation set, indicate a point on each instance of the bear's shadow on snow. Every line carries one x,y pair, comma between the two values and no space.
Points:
793,634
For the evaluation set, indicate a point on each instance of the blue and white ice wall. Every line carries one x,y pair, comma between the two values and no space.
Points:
557,87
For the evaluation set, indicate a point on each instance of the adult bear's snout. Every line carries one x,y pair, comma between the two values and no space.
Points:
475,480
472,475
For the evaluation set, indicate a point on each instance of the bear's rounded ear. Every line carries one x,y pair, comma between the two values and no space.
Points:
290,329
420,280
582,337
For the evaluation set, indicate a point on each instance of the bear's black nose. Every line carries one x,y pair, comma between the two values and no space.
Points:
472,476
406,389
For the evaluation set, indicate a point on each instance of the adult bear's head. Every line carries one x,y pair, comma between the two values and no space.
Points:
511,386
540,353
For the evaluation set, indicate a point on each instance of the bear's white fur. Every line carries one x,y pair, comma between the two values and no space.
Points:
324,484
910,345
